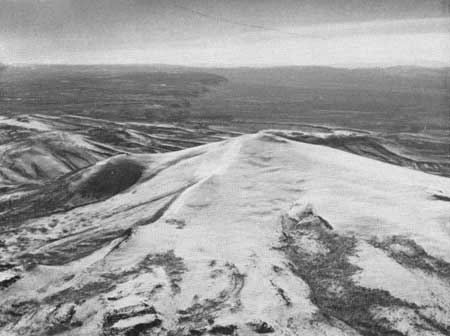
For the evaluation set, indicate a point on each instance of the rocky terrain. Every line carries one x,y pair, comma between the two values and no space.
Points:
128,228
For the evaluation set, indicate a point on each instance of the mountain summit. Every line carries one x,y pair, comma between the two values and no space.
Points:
258,234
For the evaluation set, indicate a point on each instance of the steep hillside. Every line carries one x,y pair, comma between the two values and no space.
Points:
32,151
35,149
258,234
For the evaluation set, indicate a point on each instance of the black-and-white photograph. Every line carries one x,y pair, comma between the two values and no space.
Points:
224,167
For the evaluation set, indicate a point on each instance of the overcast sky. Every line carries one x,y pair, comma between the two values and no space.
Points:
226,32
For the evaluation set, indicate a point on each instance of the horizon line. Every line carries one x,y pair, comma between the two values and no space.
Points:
230,66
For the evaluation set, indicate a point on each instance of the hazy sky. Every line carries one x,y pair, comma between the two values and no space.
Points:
226,32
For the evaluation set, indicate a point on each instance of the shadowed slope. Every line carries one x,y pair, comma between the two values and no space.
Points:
89,185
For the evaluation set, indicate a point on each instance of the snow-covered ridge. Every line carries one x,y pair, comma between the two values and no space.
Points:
368,144
255,234
38,148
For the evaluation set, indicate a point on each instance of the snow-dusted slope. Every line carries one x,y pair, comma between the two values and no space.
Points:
253,235
46,156
32,151
38,148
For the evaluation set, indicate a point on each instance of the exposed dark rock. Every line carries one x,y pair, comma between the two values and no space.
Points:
178,223
127,312
9,281
282,294
411,255
197,332
115,316
173,265
223,330
14,312
138,329
261,327
441,197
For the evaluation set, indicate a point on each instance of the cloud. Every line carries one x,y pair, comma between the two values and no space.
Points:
153,31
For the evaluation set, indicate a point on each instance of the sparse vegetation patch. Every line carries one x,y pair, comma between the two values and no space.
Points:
329,277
